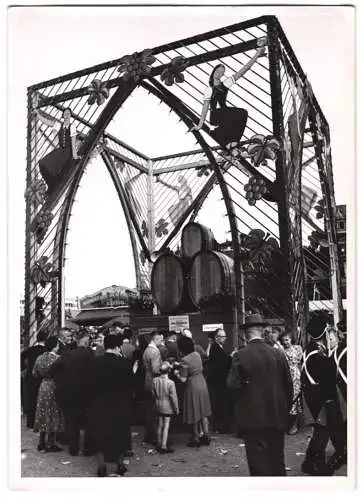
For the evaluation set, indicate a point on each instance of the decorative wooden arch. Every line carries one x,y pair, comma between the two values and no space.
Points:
268,107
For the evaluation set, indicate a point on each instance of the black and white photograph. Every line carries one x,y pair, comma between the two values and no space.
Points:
181,207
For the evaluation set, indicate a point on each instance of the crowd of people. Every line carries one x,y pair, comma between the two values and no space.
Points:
86,392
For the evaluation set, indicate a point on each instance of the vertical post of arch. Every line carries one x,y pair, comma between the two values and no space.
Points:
150,210
278,131
30,290
326,184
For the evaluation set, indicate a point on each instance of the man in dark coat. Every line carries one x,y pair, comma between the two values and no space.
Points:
65,340
111,405
31,384
219,363
260,377
319,385
72,378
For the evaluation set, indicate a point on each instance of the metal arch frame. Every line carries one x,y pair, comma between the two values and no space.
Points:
277,40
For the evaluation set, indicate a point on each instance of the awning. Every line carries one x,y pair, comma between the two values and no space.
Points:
99,316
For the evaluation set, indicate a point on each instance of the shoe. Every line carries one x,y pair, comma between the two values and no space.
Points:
74,453
205,440
121,469
102,471
193,443
336,461
41,446
88,453
53,448
163,451
315,468
129,454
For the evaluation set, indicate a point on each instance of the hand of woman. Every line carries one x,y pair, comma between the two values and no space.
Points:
261,51
195,127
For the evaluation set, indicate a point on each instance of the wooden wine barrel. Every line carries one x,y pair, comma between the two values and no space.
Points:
196,238
211,274
167,282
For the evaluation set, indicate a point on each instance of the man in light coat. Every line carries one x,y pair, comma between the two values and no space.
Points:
152,363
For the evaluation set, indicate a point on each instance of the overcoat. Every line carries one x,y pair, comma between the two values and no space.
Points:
261,379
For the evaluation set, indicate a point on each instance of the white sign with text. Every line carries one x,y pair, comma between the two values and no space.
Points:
178,323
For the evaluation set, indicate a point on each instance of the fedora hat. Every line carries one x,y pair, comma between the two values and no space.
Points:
254,320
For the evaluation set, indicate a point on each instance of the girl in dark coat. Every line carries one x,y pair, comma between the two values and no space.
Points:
110,407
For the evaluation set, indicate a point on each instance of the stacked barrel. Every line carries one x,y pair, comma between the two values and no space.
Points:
200,274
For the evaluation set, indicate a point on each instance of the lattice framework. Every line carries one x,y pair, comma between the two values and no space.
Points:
160,195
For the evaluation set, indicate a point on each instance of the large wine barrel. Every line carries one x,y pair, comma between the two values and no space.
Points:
211,274
167,282
195,238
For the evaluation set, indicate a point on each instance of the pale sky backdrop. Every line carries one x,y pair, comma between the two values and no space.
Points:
49,42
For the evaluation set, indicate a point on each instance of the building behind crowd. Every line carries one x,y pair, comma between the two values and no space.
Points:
110,296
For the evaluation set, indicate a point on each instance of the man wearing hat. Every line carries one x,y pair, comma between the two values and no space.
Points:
261,379
319,385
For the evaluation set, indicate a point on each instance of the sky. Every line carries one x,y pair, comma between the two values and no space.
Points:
47,42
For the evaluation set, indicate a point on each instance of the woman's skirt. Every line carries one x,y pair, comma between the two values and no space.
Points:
48,415
54,166
196,400
231,124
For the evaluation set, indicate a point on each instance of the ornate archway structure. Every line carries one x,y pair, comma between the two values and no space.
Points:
285,150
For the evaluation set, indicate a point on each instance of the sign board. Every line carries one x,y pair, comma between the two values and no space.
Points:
145,331
178,323
212,327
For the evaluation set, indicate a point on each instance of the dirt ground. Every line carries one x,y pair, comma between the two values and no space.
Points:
224,457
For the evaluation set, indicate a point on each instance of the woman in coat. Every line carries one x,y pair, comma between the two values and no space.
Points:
49,419
111,406
196,406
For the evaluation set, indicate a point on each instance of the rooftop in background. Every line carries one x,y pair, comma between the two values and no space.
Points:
114,295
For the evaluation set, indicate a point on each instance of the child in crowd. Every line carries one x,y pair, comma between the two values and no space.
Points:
166,404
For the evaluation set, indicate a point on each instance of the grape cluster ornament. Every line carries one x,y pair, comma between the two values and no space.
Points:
255,189
36,192
43,221
137,65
